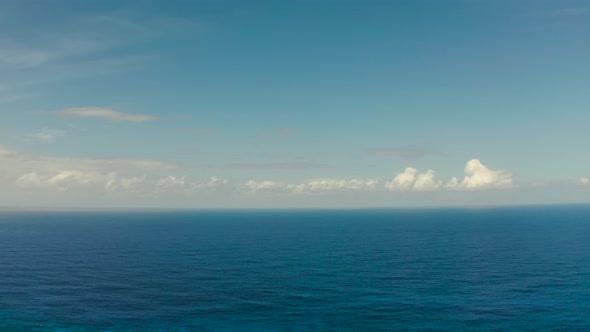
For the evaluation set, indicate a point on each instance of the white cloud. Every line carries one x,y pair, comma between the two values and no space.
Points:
181,184
478,176
72,180
172,183
70,174
427,182
104,113
412,180
48,134
402,181
30,171
66,180
214,182
585,181
329,185
314,186
255,186
126,184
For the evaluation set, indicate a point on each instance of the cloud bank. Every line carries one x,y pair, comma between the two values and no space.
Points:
477,177
139,175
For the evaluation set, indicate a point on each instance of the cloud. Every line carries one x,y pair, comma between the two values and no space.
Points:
77,180
70,174
14,164
48,134
104,113
478,176
585,181
313,186
171,183
214,182
409,153
256,186
26,58
412,180
72,179
331,185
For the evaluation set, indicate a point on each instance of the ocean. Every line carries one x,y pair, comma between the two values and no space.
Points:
501,269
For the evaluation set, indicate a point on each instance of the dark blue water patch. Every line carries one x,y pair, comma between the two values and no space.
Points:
439,270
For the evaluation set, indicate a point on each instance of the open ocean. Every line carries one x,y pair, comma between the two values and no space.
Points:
508,269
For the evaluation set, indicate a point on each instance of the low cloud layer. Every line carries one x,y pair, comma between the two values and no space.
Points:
103,113
31,172
477,177
315,185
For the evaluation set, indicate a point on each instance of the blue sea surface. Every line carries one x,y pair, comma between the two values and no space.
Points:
509,269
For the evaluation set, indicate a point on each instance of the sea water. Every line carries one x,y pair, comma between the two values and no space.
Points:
507,269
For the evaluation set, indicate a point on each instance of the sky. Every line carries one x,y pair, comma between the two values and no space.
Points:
294,104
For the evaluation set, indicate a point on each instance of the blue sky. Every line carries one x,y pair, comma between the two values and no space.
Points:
321,103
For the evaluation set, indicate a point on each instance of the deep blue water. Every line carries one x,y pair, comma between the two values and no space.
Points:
374,270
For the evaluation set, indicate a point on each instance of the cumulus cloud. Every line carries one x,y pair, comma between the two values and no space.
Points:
103,113
478,176
412,180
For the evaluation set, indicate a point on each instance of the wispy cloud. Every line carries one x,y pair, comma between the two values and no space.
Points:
575,11
103,113
313,186
409,153
187,150
48,134
272,165
278,133
207,131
